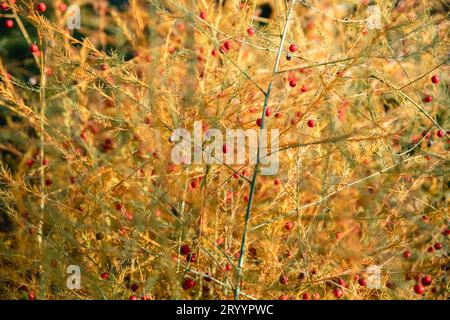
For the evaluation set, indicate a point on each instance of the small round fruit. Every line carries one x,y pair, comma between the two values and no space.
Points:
428,98
185,249
338,292
41,7
311,123
435,79
342,282
9,23
426,280
289,226
407,254
283,297
251,32
192,257
133,297
194,184
419,289
259,122
292,83
134,287
188,284
440,133
438,246
292,48
34,48
306,296
283,279
362,282
4,6
225,148
227,45
104,275
202,15
31,296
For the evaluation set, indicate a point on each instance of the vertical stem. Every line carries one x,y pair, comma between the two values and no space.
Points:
42,156
258,161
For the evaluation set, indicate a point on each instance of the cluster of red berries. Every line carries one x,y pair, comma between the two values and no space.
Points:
435,80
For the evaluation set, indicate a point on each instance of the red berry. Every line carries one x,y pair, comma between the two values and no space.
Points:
419,289
440,133
283,297
362,282
9,23
292,83
289,226
259,122
188,284
34,48
227,45
104,275
146,297
192,257
435,79
292,48
338,292
430,249
426,280
48,182
41,7
134,287
342,282
428,98
251,31
31,296
284,279
407,254
278,115
268,112
225,148
277,182
438,246
104,67
63,7
4,6
202,15
311,123
228,267
133,298
304,88
194,184
214,52
185,249
316,296
306,296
